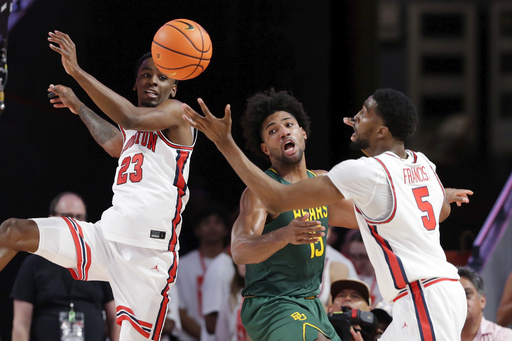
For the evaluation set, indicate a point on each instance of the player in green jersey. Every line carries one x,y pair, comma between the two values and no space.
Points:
284,251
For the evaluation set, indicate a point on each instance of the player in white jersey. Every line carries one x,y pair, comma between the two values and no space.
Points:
135,245
398,215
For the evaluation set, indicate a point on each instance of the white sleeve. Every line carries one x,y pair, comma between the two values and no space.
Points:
365,181
355,179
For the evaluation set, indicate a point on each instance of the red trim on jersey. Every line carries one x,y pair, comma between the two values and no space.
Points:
422,315
126,314
393,194
394,262
426,283
173,145
162,312
83,251
181,184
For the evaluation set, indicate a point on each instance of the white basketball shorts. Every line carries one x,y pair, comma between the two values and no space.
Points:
427,310
140,278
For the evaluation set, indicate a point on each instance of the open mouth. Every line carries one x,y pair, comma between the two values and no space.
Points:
289,146
151,93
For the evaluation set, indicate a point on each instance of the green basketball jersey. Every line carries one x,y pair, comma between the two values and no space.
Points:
295,270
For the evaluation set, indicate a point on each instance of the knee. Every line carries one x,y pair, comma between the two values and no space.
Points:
13,230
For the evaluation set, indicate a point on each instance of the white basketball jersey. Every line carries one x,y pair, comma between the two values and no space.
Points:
150,191
403,244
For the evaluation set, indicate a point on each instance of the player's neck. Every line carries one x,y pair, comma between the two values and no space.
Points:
291,172
396,147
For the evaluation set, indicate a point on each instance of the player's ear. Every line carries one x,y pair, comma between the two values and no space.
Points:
304,133
383,131
264,149
174,89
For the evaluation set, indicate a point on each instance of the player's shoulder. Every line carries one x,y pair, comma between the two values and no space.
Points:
318,172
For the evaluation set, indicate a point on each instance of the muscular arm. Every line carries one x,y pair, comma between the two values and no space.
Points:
250,246
312,192
22,320
118,108
104,133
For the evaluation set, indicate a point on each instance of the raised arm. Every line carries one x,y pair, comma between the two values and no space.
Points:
104,133
312,192
249,245
118,108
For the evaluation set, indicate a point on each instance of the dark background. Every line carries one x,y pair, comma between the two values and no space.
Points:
325,52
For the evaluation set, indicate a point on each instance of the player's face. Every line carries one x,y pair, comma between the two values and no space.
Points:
350,298
366,124
153,87
283,139
476,303
359,257
211,229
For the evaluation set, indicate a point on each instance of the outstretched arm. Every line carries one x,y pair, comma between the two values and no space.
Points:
312,192
454,195
118,108
103,132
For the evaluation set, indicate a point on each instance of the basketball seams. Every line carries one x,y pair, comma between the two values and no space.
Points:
187,55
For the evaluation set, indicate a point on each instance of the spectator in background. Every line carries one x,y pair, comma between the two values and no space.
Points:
172,326
229,325
477,328
355,294
43,290
336,267
216,289
504,313
359,257
211,231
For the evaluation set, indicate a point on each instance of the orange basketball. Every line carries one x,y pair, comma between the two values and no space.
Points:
181,49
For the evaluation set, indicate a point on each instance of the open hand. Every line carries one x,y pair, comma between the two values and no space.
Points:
66,48
458,196
303,231
218,130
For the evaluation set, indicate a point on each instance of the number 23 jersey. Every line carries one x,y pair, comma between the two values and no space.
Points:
150,191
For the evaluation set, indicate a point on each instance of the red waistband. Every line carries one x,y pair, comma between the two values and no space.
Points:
425,283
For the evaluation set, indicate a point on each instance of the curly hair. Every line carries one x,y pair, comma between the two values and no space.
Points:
262,105
397,111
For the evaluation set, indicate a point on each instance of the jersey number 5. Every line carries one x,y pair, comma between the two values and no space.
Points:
429,220
136,175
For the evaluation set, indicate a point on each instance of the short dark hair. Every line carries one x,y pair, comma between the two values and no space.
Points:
262,105
141,60
473,277
212,208
397,111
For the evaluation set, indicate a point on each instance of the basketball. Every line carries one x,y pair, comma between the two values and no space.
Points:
181,49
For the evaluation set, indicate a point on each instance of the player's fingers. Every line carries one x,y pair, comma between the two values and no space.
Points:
349,121
204,108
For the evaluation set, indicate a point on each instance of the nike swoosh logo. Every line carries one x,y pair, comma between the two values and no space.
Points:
189,28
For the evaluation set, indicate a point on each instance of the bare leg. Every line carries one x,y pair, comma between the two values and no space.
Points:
17,235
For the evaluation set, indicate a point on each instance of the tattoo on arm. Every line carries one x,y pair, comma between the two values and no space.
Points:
101,130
